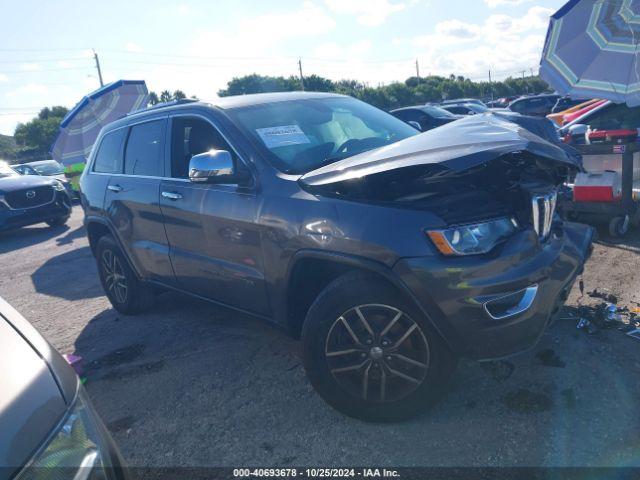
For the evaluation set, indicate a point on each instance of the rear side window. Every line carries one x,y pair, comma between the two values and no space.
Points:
144,151
109,156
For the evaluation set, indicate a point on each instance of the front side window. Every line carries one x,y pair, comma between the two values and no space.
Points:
301,135
144,151
49,168
109,155
191,136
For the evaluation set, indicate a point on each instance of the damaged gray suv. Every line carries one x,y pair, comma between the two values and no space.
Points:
389,252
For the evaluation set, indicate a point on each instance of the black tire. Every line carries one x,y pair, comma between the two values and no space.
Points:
373,399
619,226
57,222
125,291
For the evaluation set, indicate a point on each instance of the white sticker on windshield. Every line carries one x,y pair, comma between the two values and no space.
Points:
282,136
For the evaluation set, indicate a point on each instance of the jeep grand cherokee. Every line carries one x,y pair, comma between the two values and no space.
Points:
391,253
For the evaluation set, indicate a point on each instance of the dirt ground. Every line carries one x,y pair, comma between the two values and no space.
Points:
192,384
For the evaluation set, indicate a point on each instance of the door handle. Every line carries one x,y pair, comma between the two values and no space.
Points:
115,188
172,195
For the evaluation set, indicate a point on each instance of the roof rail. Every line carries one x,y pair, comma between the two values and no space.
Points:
163,105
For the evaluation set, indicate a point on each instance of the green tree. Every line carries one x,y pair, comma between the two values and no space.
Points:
8,147
165,96
414,90
315,83
153,98
35,137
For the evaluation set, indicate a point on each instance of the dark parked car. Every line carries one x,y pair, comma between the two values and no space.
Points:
424,117
538,105
465,108
390,252
563,103
458,101
46,168
48,428
30,199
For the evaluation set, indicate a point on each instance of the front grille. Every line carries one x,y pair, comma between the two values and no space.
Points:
29,197
543,207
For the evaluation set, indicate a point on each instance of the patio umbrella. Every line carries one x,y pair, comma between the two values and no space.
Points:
591,50
80,128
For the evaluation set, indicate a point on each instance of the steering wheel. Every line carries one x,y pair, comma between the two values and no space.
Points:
344,148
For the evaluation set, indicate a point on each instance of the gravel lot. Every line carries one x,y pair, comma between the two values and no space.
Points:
192,384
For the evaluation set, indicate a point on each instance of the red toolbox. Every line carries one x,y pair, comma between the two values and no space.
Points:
597,187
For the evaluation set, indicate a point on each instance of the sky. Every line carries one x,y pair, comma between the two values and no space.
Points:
46,51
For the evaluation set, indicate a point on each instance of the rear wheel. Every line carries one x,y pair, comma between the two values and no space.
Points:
371,354
619,226
125,291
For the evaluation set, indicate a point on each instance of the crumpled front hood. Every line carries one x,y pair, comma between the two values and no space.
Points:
22,182
456,146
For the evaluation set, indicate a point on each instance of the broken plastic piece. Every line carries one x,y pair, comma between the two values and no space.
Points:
612,315
75,361
587,326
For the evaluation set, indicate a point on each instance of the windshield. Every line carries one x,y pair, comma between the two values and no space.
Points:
301,135
48,168
477,108
438,112
6,170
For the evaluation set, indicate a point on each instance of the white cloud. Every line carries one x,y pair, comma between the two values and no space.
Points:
370,13
29,88
133,47
183,9
457,29
3,78
497,3
502,43
30,67
332,50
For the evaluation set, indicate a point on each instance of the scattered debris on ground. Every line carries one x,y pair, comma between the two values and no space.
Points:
605,315
607,297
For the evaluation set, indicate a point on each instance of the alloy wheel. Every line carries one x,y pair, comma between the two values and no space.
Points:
114,278
377,353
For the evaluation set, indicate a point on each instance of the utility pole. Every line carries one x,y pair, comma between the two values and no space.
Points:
301,77
417,69
95,56
490,85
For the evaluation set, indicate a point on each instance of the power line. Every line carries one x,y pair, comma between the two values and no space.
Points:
61,69
43,60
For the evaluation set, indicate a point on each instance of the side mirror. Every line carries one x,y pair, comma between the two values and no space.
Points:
214,166
415,125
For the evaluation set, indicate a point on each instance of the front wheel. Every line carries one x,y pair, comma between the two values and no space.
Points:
371,354
125,291
57,222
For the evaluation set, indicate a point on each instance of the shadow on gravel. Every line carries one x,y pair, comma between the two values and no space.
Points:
71,275
79,232
28,236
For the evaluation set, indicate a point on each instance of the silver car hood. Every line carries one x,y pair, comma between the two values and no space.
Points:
456,146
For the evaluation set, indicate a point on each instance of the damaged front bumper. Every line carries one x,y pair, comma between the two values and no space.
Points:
494,305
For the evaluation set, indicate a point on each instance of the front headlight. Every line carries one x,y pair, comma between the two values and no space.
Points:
59,186
75,450
473,238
